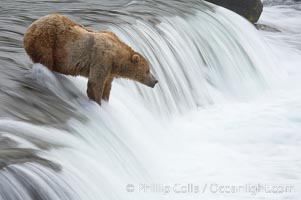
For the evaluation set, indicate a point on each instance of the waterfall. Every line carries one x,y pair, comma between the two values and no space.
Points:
198,57
56,144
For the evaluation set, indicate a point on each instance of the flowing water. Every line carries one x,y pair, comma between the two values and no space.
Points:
224,121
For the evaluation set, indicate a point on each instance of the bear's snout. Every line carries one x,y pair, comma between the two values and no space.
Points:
154,83
151,81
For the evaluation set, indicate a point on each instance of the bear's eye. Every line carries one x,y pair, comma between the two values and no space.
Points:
147,71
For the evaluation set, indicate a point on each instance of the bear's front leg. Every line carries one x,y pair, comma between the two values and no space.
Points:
96,84
95,90
107,89
90,90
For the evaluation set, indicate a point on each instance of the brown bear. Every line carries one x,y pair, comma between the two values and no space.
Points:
67,47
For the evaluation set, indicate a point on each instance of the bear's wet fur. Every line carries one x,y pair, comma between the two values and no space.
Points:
67,47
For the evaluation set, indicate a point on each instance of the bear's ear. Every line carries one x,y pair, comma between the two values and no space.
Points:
135,58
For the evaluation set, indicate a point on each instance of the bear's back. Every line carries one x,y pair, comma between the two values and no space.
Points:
47,35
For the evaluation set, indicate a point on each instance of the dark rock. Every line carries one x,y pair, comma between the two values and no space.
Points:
250,9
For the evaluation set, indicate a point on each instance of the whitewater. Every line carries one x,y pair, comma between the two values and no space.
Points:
224,122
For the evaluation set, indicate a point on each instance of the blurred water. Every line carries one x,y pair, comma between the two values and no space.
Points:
226,109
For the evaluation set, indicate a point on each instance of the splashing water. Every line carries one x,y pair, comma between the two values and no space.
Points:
226,110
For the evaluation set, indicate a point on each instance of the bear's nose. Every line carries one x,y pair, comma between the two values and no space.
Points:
154,83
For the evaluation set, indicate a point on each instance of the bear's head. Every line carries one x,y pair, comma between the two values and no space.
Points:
142,70
136,67
128,63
